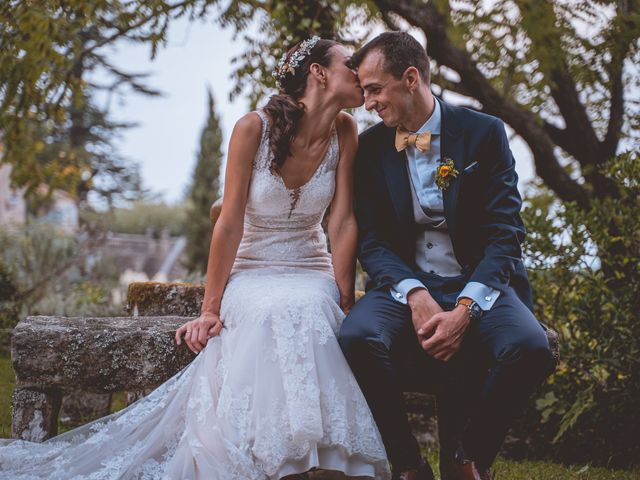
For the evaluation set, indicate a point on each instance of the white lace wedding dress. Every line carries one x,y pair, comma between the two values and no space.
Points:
271,396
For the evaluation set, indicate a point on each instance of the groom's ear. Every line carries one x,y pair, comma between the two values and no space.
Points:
411,78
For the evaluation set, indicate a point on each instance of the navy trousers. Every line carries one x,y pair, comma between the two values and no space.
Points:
505,355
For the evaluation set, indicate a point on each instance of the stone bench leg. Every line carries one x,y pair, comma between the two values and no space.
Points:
80,407
35,413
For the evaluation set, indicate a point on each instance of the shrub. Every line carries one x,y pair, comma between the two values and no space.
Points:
585,272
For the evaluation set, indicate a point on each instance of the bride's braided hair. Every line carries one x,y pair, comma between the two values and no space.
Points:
284,109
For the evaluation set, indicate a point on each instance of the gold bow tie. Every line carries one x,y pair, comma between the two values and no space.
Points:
404,139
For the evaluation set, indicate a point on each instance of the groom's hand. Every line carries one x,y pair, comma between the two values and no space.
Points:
447,330
423,308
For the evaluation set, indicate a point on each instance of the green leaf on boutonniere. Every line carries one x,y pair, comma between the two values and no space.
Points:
445,172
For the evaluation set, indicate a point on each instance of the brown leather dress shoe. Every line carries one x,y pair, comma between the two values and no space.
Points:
456,471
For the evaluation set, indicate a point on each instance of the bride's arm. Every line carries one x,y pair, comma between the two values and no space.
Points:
343,230
227,232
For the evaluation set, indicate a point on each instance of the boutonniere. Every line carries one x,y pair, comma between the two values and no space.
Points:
445,172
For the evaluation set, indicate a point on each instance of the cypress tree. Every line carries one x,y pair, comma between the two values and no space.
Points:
204,190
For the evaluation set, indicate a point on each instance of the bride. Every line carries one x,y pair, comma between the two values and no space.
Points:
269,395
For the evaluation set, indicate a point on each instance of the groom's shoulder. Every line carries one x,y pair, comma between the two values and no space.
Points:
372,135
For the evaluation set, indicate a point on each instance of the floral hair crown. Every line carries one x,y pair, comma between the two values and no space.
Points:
289,65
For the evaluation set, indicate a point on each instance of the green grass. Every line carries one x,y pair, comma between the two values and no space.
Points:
504,469
7,381
507,470
527,470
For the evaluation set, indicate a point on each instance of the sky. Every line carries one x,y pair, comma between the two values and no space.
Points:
165,142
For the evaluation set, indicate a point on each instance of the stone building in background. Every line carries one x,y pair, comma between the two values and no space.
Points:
62,212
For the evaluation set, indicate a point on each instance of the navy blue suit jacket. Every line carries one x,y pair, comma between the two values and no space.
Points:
481,206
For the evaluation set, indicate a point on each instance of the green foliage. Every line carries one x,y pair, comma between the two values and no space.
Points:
46,272
29,262
144,217
204,190
586,281
525,470
79,158
8,307
517,45
563,75
7,382
280,25
34,256
45,49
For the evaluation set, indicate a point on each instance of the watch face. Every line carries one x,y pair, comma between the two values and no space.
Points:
476,311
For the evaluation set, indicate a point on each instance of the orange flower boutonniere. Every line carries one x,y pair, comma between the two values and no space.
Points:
445,172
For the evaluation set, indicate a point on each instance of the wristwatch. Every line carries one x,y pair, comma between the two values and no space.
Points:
474,309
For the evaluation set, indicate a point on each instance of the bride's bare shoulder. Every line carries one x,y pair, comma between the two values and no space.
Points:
249,126
245,140
347,129
346,122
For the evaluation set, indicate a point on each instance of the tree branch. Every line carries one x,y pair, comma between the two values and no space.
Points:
580,137
621,46
140,23
561,138
131,79
433,24
609,145
539,20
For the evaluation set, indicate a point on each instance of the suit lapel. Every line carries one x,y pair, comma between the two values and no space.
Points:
452,146
394,164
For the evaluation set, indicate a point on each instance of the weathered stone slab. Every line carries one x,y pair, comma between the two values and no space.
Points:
169,298
162,299
35,413
97,354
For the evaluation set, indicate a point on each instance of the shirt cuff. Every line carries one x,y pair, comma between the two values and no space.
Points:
480,293
400,290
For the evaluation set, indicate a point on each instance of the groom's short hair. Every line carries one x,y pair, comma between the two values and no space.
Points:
400,51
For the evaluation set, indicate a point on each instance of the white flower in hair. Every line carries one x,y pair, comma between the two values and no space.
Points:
289,65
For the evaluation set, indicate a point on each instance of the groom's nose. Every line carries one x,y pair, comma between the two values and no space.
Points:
368,102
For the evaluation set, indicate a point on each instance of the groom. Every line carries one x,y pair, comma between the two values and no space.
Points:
448,307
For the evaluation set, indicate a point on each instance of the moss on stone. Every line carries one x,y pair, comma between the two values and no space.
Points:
170,298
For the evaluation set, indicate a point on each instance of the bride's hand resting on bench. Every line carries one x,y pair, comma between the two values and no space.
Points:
197,332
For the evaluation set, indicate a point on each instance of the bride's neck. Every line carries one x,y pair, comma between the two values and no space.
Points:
318,119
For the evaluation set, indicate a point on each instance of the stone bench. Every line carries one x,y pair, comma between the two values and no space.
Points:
51,355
